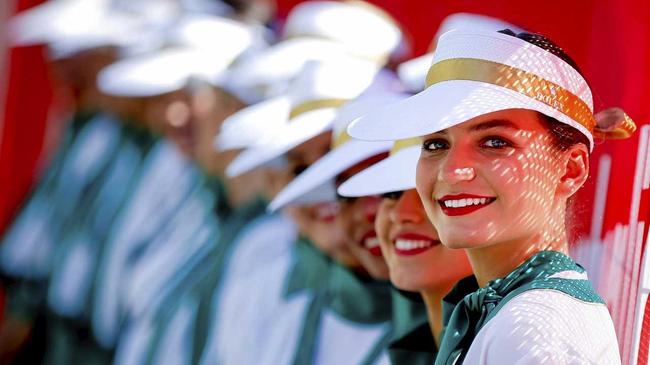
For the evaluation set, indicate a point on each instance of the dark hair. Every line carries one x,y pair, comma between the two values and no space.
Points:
564,135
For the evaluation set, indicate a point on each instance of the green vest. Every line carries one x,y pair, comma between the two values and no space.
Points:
352,297
412,341
201,281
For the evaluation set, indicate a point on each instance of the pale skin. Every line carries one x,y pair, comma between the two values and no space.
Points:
357,219
509,158
432,272
191,118
318,221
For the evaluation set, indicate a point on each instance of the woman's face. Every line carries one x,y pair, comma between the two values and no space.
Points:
318,221
416,259
171,115
496,178
210,107
357,219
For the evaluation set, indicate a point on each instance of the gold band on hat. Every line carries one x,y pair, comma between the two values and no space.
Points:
401,144
312,105
340,139
515,79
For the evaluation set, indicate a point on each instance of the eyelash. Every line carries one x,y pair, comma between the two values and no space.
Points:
505,142
426,146
428,143
393,195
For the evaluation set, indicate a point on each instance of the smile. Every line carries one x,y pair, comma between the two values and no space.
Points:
371,243
326,212
455,205
409,244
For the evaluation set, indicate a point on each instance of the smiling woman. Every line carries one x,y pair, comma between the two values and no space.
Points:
507,131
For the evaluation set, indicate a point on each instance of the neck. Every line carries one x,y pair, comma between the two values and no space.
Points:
433,302
499,259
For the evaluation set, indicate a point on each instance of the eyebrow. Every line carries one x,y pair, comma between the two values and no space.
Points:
493,123
504,123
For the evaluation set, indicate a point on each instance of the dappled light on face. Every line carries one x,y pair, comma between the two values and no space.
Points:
482,186
357,220
416,259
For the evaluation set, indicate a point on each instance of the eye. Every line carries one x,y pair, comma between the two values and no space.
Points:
496,143
345,199
432,145
297,170
393,195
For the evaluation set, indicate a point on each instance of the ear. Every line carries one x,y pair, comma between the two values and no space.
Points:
576,170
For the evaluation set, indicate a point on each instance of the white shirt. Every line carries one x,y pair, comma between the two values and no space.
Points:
545,326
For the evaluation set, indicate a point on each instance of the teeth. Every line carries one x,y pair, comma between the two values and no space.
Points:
459,203
406,245
371,242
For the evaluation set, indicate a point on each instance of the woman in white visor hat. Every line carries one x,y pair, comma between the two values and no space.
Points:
416,260
507,125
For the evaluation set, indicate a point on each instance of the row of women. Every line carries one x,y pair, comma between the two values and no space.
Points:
228,195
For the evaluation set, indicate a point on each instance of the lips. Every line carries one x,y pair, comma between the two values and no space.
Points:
462,204
370,242
409,244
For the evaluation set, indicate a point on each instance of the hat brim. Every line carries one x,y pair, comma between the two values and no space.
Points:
297,131
444,105
395,173
250,126
159,73
326,168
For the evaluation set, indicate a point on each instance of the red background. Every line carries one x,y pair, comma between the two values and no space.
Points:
609,39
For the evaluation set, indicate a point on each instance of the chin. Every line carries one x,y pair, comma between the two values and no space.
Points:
377,273
408,281
467,241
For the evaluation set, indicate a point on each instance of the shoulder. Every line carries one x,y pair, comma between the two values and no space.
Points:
547,326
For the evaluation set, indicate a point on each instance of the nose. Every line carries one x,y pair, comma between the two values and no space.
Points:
178,114
456,167
408,209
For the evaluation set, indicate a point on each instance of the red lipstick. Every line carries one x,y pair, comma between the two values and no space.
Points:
462,204
370,242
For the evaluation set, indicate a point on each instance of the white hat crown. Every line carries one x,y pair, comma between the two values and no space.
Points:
363,28
512,51
342,79
413,72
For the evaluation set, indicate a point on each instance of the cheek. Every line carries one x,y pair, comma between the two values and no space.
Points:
516,177
345,220
382,225
424,177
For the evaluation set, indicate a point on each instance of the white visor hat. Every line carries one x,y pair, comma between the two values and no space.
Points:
71,26
362,28
202,47
413,72
250,126
475,73
316,94
394,173
345,152
268,73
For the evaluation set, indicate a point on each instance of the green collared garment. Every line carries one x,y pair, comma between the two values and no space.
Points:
412,341
202,280
354,298
467,308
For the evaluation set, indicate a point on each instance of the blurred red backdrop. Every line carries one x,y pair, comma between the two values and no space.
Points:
609,39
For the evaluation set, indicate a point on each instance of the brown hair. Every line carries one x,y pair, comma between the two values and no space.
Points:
564,136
